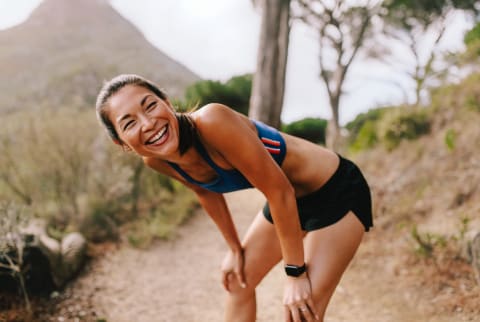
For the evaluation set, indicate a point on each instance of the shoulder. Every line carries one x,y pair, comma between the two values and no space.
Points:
212,113
219,119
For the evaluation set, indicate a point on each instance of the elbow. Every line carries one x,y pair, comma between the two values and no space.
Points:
280,193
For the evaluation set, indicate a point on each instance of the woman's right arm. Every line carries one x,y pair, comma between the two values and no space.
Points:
216,207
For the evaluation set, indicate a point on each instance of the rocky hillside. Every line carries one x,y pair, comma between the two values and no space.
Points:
427,203
63,52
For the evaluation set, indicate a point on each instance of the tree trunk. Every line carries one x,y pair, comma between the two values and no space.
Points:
333,138
268,86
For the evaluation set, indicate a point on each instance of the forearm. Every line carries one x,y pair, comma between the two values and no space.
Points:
216,207
284,212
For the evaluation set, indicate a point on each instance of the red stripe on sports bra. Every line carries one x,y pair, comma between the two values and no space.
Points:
273,150
271,142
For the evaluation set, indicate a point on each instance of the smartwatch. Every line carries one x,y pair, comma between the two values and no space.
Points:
294,270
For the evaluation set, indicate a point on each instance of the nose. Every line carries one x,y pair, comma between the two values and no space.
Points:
147,123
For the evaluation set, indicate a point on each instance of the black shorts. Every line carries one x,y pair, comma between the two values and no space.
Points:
347,190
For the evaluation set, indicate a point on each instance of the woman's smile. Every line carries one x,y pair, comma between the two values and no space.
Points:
159,138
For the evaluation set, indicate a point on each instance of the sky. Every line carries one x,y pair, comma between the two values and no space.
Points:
218,39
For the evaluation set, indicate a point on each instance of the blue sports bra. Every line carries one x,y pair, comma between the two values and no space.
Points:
233,180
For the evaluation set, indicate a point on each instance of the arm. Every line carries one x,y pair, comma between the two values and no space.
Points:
216,207
231,135
213,203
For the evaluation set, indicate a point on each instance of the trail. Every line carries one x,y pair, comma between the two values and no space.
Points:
179,280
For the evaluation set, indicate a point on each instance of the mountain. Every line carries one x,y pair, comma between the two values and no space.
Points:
62,54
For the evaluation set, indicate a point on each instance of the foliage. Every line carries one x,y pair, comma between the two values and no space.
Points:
464,95
12,219
366,138
450,136
473,35
472,42
428,244
234,93
403,124
363,130
312,129
62,164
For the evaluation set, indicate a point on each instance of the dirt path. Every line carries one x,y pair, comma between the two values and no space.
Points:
179,280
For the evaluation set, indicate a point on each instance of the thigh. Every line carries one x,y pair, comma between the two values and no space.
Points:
261,250
328,252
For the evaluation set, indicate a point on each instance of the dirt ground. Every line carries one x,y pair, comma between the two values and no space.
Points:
179,280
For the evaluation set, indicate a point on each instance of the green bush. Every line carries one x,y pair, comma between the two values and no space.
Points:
312,129
401,124
366,138
234,93
363,130
473,35
354,127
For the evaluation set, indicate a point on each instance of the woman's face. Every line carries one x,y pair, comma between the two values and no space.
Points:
144,122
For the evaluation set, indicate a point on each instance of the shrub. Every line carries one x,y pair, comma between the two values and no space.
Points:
235,93
354,127
366,138
312,129
62,164
403,124
363,130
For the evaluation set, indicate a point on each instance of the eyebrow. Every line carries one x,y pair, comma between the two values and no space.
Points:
126,116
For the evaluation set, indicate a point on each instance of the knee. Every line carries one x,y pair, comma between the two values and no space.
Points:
235,288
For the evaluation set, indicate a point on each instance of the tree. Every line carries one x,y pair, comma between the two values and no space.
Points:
269,80
342,30
412,22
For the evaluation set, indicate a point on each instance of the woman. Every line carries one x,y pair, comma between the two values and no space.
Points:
318,201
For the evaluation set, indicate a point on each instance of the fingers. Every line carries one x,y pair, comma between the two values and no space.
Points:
288,316
241,278
313,308
225,281
300,314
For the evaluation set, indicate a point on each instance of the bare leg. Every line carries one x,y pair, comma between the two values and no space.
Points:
328,252
262,252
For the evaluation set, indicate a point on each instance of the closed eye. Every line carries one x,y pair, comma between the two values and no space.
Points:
128,125
151,106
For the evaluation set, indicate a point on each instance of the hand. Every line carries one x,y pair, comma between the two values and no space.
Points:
298,300
233,264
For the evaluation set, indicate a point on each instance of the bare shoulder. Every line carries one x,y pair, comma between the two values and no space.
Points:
217,118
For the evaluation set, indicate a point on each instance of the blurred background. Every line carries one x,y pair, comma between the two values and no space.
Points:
392,84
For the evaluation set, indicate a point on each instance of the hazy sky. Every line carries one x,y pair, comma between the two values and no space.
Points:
218,39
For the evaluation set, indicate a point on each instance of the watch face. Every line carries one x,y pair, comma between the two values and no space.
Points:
293,270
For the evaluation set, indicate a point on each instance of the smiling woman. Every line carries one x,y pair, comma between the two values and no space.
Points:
316,212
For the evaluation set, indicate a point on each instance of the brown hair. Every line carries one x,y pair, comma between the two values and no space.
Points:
187,130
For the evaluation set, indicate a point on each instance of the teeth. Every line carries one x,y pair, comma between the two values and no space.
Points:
158,135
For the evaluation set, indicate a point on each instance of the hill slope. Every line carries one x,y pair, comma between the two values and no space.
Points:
64,51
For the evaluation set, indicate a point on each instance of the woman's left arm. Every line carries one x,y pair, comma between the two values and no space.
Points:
229,133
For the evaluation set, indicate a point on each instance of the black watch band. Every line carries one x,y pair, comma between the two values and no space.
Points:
294,270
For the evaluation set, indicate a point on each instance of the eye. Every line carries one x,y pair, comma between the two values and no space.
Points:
128,125
151,106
